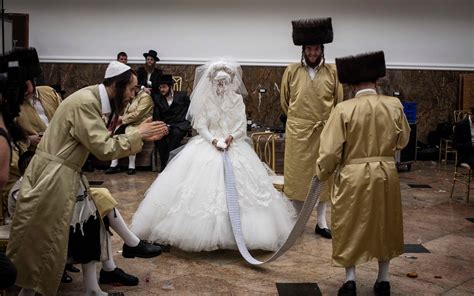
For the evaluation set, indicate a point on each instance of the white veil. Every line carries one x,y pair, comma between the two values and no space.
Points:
203,84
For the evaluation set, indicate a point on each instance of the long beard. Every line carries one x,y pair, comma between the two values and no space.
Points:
117,103
149,69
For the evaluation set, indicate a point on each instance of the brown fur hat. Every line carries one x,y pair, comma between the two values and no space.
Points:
312,31
361,68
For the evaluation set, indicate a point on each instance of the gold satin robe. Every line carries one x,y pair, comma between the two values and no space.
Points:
138,110
360,139
40,229
307,103
29,119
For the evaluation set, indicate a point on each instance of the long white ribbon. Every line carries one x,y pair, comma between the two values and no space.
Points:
234,213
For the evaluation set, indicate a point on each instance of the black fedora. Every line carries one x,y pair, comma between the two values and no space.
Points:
165,79
153,54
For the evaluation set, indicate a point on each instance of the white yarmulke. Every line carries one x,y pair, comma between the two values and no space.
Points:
115,68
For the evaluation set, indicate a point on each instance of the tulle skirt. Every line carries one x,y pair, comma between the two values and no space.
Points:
186,206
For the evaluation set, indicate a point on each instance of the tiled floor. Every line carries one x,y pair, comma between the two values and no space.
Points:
430,218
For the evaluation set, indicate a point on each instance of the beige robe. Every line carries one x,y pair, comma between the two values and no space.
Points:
361,137
139,109
307,103
40,230
29,119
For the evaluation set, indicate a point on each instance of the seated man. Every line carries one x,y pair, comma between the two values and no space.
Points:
170,107
137,111
464,139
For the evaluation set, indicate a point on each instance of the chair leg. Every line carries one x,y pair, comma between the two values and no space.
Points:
452,188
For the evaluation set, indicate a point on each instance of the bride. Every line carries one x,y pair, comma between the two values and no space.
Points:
186,205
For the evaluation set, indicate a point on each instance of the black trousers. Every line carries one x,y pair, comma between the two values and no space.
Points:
168,143
7,272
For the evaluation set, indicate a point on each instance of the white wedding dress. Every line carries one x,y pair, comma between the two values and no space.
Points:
186,205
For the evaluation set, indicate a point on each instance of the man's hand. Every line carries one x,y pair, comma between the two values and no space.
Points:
152,130
147,90
34,139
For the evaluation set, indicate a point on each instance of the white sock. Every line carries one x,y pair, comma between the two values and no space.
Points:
89,275
118,224
114,163
321,215
27,292
298,205
350,274
131,161
383,271
109,265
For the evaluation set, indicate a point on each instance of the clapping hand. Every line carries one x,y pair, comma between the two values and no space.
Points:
152,130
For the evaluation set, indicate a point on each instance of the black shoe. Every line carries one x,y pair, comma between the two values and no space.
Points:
324,232
164,248
143,250
117,277
66,278
382,288
112,170
116,294
348,289
72,268
131,172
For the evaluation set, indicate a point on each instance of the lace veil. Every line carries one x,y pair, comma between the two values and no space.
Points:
215,83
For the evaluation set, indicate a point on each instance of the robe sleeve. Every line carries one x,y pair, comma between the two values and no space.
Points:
404,130
88,129
330,150
285,91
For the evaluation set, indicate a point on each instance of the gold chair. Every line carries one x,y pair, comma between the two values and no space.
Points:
445,148
463,174
264,146
177,83
460,114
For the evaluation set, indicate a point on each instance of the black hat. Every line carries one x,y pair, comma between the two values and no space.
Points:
361,68
312,31
153,54
165,79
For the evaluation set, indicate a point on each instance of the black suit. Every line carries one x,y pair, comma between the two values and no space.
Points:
173,115
142,78
463,142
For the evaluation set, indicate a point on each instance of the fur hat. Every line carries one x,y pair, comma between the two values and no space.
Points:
361,68
312,31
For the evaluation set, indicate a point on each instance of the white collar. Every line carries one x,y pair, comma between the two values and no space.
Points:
470,120
366,91
104,99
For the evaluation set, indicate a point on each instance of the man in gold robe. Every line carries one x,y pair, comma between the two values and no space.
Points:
53,180
362,135
136,112
37,111
309,91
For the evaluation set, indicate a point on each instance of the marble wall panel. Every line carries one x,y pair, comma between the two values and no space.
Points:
436,92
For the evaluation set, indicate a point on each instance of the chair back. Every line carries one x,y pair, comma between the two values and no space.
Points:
460,114
264,146
177,83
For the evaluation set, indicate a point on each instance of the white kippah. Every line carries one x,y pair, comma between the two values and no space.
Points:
115,68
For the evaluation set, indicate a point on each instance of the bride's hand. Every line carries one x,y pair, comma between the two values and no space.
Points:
228,140
214,143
